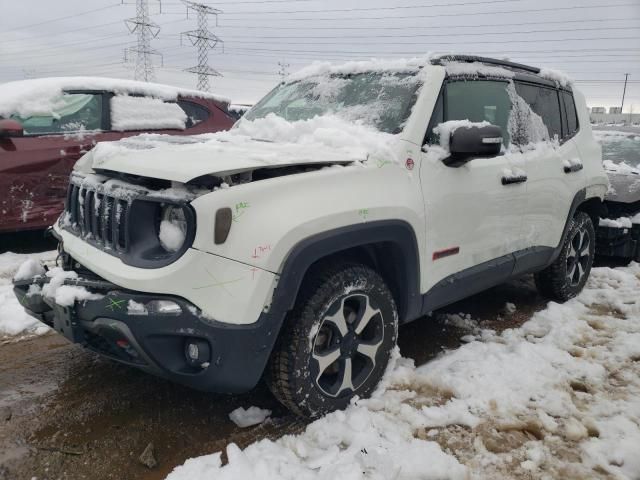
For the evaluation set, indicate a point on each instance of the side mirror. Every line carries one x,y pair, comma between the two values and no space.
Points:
10,128
467,143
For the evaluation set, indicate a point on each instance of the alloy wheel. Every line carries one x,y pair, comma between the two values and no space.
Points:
345,347
578,257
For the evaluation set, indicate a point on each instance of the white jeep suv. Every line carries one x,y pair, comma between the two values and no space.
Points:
349,200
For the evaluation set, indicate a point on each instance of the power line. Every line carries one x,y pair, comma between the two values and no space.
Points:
420,35
386,27
23,27
459,14
66,32
405,52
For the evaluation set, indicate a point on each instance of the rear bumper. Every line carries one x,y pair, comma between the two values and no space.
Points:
231,358
617,242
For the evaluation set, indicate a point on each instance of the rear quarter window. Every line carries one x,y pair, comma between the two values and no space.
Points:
195,113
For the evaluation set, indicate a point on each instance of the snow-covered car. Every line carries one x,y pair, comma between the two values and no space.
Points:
349,200
618,234
47,124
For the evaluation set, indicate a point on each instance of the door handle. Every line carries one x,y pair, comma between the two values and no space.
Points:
573,168
514,179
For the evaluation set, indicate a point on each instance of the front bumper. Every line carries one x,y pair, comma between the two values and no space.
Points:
157,342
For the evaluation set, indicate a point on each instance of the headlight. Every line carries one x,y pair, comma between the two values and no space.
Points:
173,228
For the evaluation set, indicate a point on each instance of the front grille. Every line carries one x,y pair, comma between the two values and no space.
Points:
98,216
122,220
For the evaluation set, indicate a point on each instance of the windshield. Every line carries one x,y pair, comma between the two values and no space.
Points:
380,99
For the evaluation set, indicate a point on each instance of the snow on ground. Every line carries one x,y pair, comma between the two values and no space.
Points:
558,397
13,319
249,417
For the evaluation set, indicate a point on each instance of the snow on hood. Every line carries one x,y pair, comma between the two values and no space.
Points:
36,96
263,143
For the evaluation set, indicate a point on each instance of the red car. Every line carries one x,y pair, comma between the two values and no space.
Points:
47,124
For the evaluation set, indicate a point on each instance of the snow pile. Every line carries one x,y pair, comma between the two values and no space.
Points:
476,69
65,295
143,113
136,308
622,168
398,65
613,135
446,129
13,319
249,417
560,78
558,397
622,222
171,235
29,269
265,142
328,131
572,162
38,96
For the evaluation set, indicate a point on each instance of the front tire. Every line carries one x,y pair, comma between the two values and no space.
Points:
566,276
336,342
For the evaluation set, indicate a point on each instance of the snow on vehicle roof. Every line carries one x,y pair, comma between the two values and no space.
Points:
35,96
453,67
318,68
560,78
476,68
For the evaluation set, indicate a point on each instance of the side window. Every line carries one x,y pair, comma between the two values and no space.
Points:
195,113
70,112
572,116
544,102
477,101
129,112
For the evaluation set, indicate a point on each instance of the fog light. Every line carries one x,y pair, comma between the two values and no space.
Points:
197,351
164,307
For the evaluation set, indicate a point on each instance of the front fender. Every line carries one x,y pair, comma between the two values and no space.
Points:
270,217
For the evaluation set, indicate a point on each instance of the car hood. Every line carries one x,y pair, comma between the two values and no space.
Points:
625,187
181,159
624,180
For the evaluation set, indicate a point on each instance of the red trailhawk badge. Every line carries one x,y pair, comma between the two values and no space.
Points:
409,164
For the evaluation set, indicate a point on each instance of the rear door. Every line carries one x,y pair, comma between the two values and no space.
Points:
550,189
471,217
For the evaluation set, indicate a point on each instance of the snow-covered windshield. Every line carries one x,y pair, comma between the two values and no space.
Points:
380,99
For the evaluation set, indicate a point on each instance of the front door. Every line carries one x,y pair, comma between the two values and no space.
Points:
473,219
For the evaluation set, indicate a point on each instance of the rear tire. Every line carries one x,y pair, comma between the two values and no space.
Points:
566,276
336,342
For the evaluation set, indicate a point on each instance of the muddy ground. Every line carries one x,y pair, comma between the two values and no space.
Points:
66,413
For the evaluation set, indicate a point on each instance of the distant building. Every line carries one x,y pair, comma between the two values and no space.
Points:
615,110
598,110
615,118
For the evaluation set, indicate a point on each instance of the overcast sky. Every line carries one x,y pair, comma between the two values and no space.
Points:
595,41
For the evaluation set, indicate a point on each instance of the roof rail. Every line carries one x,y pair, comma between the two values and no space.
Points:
490,61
